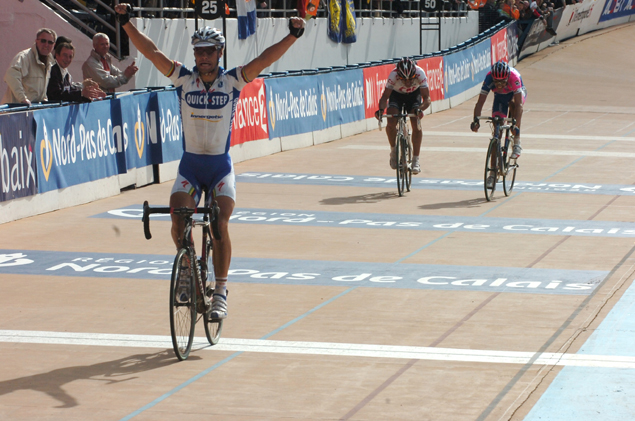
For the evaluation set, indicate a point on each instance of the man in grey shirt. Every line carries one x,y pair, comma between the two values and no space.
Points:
99,67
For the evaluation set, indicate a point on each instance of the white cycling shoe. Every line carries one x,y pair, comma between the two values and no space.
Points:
219,307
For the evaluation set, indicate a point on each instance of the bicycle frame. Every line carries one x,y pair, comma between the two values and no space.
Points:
184,309
403,146
497,163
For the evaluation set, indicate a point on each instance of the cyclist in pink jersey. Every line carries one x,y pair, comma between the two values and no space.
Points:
407,86
509,95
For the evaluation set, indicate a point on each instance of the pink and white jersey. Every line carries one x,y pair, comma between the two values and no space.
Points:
514,83
399,85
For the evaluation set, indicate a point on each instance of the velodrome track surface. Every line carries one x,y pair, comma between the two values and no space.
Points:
348,302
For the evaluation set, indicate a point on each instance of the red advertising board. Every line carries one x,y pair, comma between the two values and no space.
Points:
433,67
374,84
250,118
499,46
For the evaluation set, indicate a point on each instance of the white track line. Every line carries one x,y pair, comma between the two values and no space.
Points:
527,151
320,348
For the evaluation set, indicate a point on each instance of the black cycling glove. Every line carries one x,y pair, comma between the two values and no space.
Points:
123,19
296,32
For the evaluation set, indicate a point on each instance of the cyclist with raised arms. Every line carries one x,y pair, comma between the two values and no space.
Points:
207,94
407,85
509,95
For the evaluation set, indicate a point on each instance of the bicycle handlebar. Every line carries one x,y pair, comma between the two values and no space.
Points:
399,116
147,211
499,119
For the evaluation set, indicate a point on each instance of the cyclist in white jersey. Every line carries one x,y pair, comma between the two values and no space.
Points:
407,85
207,95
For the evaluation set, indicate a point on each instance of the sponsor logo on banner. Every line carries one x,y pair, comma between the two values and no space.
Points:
467,68
342,97
18,167
433,67
579,15
293,105
499,46
374,83
250,116
614,9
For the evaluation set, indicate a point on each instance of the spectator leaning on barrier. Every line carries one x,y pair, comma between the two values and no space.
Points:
99,67
207,95
29,71
61,87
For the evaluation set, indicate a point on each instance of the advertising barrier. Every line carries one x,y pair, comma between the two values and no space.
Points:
18,167
467,68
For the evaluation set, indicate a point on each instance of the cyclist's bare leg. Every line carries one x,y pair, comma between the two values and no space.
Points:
222,252
391,127
417,135
179,200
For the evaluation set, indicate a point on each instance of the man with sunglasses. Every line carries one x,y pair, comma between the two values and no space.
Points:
207,95
29,71
509,95
407,85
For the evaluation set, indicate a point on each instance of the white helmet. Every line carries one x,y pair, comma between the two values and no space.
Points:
208,37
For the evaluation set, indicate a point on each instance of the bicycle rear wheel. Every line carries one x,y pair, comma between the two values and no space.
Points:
182,311
510,170
408,162
401,174
492,155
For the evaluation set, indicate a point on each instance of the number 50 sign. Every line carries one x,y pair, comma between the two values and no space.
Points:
210,9
431,5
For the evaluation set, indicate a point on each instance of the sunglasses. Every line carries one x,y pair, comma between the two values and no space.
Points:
46,41
205,50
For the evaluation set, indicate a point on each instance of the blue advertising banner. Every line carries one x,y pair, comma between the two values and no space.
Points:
295,106
18,168
140,129
74,145
467,68
344,95
616,9
169,113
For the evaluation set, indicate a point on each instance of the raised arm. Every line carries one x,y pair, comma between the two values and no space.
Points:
274,52
144,44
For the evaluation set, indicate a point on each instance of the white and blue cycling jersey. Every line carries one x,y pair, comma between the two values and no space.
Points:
207,114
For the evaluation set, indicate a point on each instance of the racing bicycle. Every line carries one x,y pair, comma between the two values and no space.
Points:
499,162
192,282
403,149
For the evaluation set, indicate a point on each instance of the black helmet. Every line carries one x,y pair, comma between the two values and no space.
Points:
406,68
500,70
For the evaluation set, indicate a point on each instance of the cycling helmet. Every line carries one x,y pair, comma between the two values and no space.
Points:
208,37
500,70
406,68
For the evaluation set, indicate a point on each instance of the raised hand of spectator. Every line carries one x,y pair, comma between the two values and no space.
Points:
130,70
91,90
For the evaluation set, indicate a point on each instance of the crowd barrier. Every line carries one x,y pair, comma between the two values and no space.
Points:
52,158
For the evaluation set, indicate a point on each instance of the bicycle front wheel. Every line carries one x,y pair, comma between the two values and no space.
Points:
213,327
491,170
510,170
182,304
408,160
401,164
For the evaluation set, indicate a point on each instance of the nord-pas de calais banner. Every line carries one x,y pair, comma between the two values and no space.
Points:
614,9
250,116
294,105
467,68
149,127
18,168
74,145
343,94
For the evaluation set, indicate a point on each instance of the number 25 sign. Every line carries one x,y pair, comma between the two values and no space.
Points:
209,9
